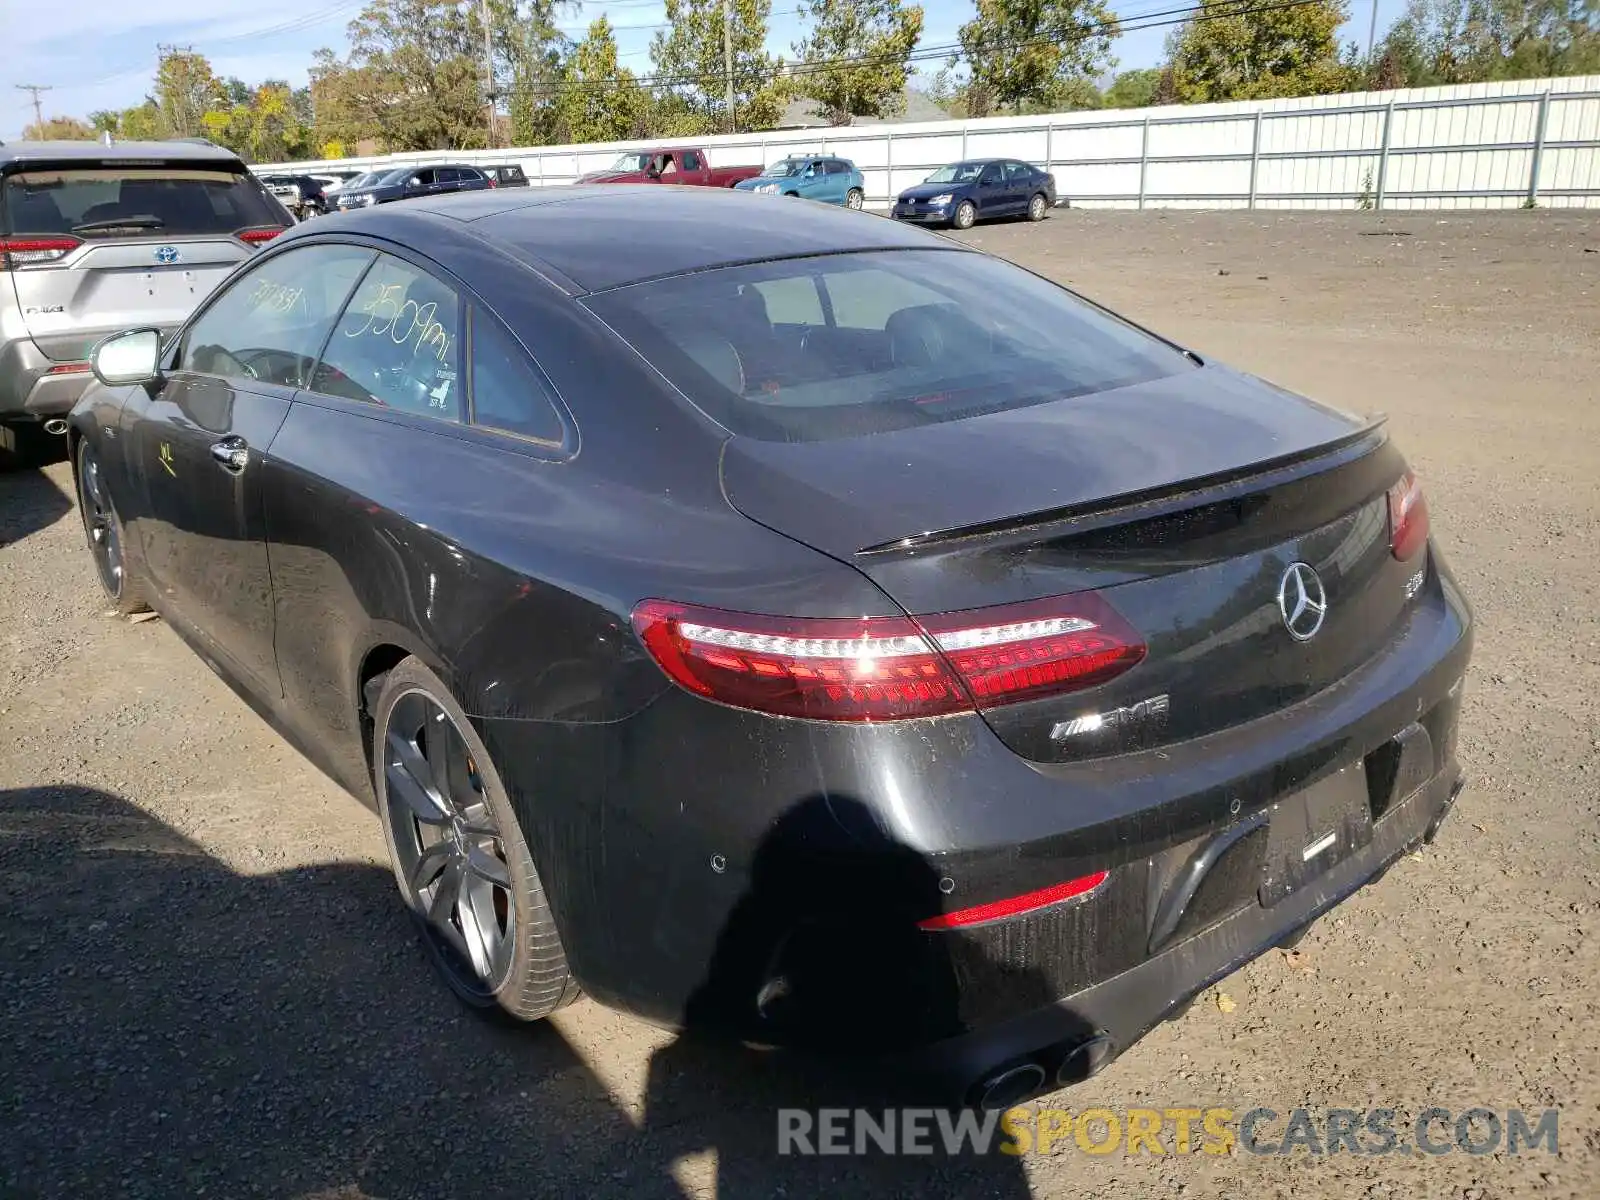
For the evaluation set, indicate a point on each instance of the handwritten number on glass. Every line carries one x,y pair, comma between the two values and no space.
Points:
386,317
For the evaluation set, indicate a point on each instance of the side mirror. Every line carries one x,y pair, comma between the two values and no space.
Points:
128,358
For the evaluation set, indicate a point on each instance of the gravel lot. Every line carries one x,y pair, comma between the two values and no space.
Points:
207,985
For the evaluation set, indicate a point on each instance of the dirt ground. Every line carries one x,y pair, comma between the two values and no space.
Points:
207,985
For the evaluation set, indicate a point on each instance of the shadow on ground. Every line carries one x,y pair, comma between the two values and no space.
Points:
171,1027
29,501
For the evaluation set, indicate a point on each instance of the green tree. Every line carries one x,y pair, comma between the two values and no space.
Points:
879,35
105,121
1231,53
59,129
530,53
186,89
141,123
1134,89
688,58
601,101
412,78
1470,41
1018,52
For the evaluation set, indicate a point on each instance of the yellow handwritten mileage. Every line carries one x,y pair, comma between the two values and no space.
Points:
387,318
277,297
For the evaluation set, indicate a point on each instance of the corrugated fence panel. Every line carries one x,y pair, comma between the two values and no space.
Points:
1471,146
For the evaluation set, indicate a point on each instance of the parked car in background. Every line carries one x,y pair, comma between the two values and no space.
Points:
407,183
820,177
976,190
685,165
1046,672
506,175
332,181
95,239
302,195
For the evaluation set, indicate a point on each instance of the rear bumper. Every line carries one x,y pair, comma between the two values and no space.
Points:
28,391
1073,1037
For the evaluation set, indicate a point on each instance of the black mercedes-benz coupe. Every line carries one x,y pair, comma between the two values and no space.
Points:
813,629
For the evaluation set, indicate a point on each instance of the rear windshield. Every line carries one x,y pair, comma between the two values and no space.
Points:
812,349
110,202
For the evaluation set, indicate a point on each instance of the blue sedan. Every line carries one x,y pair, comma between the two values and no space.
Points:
966,192
815,177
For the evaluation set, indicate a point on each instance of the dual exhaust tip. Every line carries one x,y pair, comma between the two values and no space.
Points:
1020,1083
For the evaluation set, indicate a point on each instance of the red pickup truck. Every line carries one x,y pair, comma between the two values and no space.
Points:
675,164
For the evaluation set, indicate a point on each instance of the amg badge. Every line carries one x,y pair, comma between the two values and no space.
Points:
1146,715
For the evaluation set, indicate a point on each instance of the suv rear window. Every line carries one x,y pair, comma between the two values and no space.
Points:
508,173
810,349
108,202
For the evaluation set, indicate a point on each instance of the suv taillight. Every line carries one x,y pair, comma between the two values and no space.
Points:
28,251
255,237
889,668
1408,517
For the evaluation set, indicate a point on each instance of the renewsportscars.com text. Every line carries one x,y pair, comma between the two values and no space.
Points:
1179,1131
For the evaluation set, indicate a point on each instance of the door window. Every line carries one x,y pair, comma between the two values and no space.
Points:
1018,173
508,391
397,344
991,174
691,161
269,323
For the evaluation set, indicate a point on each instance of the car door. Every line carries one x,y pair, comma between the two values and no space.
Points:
1019,187
991,191
814,180
201,437
692,169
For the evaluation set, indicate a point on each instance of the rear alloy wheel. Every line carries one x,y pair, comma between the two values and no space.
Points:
964,216
118,575
855,198
459,856
1037,207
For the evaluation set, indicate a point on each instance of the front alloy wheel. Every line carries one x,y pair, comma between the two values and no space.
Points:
965,215
103,530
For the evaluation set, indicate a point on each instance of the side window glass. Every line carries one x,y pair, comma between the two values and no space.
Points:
691,161
991,174
271,321
792,300
508,392
397,344
1018,172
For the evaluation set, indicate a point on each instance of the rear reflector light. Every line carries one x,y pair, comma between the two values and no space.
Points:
256,236
68,369
1408,516
889,668
26,251
999,910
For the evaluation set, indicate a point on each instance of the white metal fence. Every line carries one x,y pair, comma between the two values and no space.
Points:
1492,145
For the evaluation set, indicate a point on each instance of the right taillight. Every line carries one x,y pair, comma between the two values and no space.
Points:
28,251
1408,517
889,668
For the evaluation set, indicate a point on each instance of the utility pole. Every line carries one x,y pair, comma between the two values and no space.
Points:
1372,31
727,58
38,110
488,75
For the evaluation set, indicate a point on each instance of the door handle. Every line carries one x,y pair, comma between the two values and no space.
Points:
233,453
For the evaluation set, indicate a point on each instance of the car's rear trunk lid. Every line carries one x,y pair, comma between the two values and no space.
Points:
1182,501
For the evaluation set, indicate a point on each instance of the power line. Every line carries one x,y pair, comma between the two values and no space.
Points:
1162,18
38,110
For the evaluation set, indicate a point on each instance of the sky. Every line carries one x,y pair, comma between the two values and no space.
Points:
101,54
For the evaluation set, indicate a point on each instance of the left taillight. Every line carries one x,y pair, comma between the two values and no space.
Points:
30,251
255,237
1408,516
889,668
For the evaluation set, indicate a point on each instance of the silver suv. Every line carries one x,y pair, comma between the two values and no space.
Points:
96,239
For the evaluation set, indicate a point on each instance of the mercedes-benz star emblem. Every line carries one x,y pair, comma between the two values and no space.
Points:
167,254
1301,601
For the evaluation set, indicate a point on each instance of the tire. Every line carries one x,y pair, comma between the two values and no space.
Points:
25,444
1038,207
792,195
855,198
116,562
497,946
965,216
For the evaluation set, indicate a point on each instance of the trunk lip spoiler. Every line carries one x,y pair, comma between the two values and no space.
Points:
1158,500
